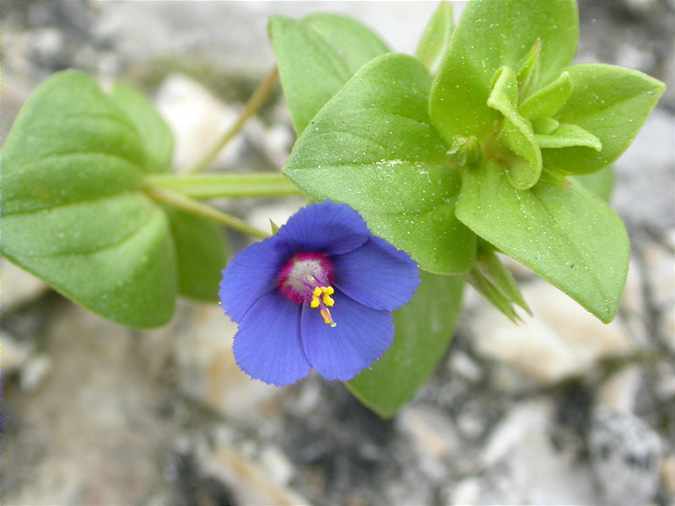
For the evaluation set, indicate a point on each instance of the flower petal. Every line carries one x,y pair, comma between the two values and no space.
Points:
328,227
377,275
361,336
249,275
267,346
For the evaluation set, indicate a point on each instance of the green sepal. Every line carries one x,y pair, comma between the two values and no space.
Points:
545,126
492,294
516,133
528,73
492,34
566,136
493,269
547,101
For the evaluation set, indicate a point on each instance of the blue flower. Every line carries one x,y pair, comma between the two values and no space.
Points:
317,295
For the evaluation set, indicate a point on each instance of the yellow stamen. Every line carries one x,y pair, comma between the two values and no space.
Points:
317,292
315,303
327,318
328,290
328,301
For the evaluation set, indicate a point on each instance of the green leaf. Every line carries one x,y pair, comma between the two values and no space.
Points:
436,37
372,147
316,56
612,103
156,135
517,134
492,34
549,100
424,329
73,210
566,136
528,73
560,231
600,182
545,126
202,253
201,247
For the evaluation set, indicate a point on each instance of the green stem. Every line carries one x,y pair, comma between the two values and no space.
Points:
226,185
253,105
186,204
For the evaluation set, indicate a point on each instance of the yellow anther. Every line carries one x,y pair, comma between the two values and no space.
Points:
328,290
328,301
317,292
315,302
327,318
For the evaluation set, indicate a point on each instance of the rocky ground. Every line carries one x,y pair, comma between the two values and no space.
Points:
560,410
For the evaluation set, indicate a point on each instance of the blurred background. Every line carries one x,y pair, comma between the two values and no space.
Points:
559,410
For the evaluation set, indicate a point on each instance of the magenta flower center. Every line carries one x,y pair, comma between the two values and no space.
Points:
307,278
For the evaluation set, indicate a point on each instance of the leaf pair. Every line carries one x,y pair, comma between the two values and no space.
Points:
374,146
389,140
74,212
407,161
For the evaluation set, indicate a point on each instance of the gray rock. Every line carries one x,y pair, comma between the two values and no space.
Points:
646,175
154,29
249,481
522,466
626,458
668,476
660,267
560,341
434,437
93,433
18,287
13,354
199,343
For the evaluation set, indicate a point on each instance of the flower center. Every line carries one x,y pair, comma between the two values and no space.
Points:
306,279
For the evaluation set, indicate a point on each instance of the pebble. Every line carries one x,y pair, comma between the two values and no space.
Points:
200,342
668,475
626,456
618,392
644,173
433,436
13,354
561,340
198,120
521,465
250,482
660,268
17,287
35,372
277,465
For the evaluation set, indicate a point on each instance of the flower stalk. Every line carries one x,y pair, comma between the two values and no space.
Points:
257,100
215,186
191,206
